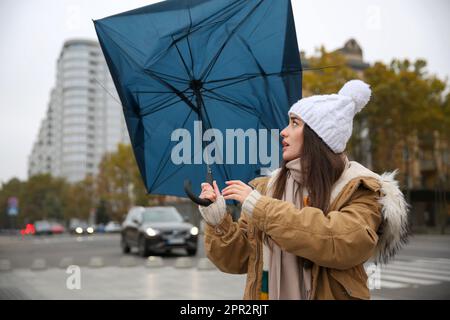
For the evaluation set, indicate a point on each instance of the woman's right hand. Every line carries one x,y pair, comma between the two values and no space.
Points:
216,211
210,192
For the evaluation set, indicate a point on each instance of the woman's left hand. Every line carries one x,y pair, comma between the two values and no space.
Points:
236,190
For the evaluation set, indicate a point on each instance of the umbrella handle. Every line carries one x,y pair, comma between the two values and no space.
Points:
194,197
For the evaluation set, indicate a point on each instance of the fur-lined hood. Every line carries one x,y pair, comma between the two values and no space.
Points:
393,231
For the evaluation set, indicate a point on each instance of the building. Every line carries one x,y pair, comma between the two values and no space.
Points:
352,53
84,117
354,56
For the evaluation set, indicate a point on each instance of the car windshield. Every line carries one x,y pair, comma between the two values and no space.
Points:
161,215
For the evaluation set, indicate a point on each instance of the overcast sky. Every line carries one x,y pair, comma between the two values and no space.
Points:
32,33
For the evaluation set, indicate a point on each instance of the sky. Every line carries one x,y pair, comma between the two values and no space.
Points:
32,33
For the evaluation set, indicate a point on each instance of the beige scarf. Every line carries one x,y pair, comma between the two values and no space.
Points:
288,279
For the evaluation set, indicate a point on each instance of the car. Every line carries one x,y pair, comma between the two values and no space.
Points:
57,228
42,227
112,227
77,226
99,228
156,230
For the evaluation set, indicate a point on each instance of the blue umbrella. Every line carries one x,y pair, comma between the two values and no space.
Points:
195,65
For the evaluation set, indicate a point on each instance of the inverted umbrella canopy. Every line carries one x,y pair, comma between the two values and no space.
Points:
229,64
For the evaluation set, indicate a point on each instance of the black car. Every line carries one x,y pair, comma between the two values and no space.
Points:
156,230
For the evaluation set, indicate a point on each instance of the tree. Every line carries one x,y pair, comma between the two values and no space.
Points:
103,212
12,188
41,197
405,106
119,182
79,199
328,72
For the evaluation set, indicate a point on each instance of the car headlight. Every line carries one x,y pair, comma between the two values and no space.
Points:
79,230
90,230
151,232
194,231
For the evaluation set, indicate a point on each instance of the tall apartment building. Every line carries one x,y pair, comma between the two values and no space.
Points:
84,118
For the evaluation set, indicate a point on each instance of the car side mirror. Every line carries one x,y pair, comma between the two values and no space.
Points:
186,218
136,221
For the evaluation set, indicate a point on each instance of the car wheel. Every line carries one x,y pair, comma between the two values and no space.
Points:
192,252
124,245
142,247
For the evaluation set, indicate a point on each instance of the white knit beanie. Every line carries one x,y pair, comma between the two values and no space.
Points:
331,116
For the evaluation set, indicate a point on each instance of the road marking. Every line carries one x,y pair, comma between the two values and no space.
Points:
414,274
68,239
435,262
409,267
410,258
392,285
408,280
427,265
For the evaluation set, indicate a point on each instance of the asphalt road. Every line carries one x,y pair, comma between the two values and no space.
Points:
420,271
21,252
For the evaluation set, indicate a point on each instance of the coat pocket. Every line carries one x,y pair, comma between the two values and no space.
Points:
351,282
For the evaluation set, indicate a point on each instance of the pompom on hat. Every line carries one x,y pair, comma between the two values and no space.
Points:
331,116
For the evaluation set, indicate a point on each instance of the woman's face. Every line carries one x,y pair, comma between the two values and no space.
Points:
292,138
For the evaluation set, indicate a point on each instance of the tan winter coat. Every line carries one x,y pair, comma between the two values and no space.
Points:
367,218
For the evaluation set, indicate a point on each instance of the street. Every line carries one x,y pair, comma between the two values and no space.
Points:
34,268
81,249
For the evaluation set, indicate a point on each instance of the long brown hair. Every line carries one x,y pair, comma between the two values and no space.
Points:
320,169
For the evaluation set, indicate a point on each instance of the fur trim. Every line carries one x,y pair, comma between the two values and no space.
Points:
394,230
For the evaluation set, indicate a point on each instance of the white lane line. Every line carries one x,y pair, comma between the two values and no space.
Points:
391,285
405,257
426,265
433,259
441,263
416,275
408,267
73,239
408,280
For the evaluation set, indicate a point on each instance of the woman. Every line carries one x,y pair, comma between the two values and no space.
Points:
306,231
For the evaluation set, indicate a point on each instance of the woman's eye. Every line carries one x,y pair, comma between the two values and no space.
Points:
294,124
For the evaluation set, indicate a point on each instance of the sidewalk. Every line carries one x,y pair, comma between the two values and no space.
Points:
136,282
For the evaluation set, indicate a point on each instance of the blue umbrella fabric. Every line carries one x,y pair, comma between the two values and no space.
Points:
229,64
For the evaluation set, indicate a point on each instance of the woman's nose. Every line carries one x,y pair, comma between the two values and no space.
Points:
283,133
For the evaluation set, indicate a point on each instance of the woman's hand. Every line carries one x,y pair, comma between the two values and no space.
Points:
216,211
236,190
208,192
